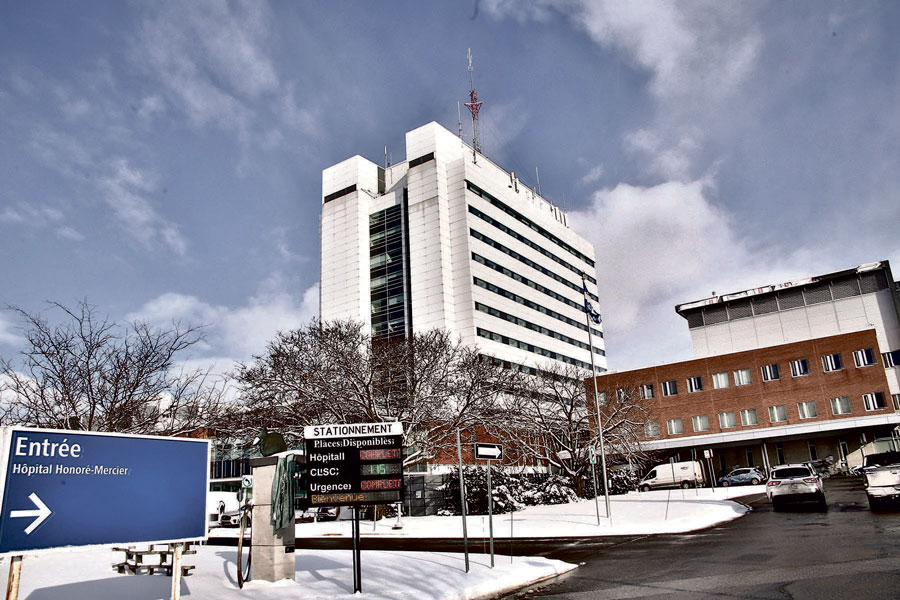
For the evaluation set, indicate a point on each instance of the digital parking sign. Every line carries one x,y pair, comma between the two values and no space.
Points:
354,464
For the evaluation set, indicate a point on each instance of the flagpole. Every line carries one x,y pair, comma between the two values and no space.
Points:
587,316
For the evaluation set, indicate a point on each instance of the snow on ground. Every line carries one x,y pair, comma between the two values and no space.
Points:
321,574
637,513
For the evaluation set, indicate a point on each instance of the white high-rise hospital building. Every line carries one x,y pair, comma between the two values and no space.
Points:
449,240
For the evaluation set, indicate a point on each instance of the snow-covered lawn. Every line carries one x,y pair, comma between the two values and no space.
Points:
637,513
320,574
87,574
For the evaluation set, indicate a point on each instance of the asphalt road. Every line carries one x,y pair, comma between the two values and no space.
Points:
844,553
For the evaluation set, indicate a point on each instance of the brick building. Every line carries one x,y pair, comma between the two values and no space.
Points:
791,372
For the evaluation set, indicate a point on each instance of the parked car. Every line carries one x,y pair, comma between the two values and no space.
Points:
742,476
231,518
795,483
680,474
881,474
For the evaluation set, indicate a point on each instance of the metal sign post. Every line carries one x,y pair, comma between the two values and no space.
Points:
593,458
696,484
462,499
489,452
712,476
490,499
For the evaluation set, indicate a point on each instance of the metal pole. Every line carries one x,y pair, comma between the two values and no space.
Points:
15,573
176,572
599,421
596,495
511,519
462,499
490,500
696,483
357,568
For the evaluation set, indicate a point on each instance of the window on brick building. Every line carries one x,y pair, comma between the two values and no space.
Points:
727,420
832,362
651,429
670,388
720,380
770,372
695,384
674,427
874,401
701,423
748,417
799,367
778,414
841,405
742,377
647,391
807,410
864,357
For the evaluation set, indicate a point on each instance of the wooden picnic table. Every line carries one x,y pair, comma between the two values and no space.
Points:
134,559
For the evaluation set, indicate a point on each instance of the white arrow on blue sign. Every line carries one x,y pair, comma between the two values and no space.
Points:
41,513
75,488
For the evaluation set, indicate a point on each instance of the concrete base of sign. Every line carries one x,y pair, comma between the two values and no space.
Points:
272,550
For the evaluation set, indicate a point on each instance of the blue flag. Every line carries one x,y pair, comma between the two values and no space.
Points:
588,307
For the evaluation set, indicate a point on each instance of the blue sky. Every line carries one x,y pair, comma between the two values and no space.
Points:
163,159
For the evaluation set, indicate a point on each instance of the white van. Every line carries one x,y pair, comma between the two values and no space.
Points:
681,474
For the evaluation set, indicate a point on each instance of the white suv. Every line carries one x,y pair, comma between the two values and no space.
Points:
795,483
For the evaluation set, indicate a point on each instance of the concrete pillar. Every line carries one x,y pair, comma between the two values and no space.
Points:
272,550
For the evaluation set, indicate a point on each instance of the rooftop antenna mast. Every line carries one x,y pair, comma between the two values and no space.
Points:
474,105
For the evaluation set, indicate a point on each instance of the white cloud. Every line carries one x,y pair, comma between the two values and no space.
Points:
594,175
125,192
698,55
501,126
235,333
151,106
69,233
663,245
213,64
8,335
39,218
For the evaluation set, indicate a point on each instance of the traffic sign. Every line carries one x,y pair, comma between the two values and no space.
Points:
488,451
75,488
354,464
247,481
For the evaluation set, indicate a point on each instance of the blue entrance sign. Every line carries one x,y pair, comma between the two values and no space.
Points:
75,488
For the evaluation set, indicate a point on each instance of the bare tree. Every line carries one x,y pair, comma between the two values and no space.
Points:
551,417
335,373
88,372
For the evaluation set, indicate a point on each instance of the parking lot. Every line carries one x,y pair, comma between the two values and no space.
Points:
803,552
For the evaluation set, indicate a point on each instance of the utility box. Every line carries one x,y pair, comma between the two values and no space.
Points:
272,550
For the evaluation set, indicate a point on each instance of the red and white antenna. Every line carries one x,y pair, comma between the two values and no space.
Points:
474,105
